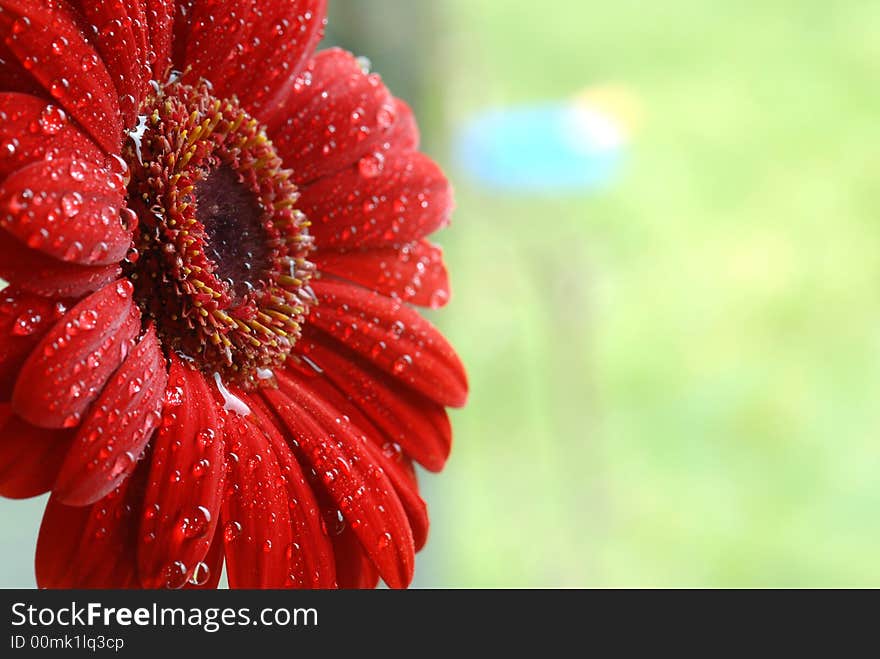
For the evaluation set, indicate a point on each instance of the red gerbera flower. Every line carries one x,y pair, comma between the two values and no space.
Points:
213,237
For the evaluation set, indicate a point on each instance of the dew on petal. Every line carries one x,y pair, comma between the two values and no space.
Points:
175,575
231,531
371,166
52,119
201,574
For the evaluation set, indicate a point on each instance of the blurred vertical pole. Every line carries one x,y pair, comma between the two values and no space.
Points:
403,39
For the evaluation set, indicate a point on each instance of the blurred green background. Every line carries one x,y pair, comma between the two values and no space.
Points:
674,379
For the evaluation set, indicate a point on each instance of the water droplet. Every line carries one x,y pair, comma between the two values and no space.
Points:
365,64
20,25
59,87
401,364
124,289
200,468
77,170
122,464
200,575
333,521
52,119
231,531
8,147
174,396
129,219
71,203
386,116
59,44
26,324
197,524
135,386
74,251
120,169
87,319
438,298
175,575
371,166
88,62
127,104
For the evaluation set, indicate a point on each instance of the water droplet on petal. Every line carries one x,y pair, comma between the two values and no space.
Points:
371,166
364,63
52,119
175,575
386,116
122,464
87,319
197,523
88,62
71,203
231,531
20,25
77,170
200,575
26,324
401,364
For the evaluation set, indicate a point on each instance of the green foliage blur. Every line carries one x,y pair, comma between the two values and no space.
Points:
676,380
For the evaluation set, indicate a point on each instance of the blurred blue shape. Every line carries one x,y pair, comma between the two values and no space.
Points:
542,149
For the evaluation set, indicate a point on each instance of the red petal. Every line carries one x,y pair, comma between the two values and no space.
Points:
256,513
402,198
116,428
400,475
69,367
92,546
32,128
182,501
14,77
206,575
160,19
225,39
181,26
404,416
45,275
413,273
392,336
24,320
29,457
68,208
361,490
332,91
311,556
119,35
385,453
353,566
65,63
405,132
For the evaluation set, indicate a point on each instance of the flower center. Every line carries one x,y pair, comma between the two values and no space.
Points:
236,240
219,258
